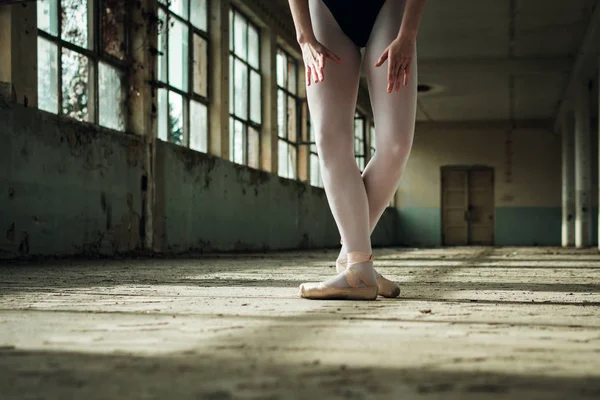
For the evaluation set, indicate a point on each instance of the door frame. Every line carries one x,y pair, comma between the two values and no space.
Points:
467,168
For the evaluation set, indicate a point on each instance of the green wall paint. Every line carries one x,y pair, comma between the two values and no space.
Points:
420,226
528,226
515,226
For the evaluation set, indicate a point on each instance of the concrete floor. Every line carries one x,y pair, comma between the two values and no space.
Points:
471,323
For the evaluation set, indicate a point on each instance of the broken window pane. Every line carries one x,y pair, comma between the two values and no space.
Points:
198,14
113,28
241,89
199,126
178,54
231,91
253,148
47,16
236,142
253,47
163,105
175,126
47,75
292,75
179,7
200,65
281,70
292,162
315,172
75,85
74,22
111,97
281,113
311,130
255,97
162,45
231,30
291,114
241,36
282,158
373,142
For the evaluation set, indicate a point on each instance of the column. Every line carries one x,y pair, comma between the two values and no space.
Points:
568,181
269,140
218,75
142,116
582,166
18,55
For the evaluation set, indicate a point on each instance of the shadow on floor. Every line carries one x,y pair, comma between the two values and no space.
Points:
249,374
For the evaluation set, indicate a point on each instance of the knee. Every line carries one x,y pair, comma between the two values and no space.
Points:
329,141
397,149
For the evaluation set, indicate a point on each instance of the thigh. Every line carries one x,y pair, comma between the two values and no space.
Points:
332,103
393,113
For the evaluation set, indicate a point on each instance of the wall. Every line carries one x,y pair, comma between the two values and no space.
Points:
71,188
527,181
66,187
206,204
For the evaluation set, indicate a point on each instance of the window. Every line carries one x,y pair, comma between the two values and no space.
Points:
315,167
359,140
287,114
183,73
82,53
372,139
245,98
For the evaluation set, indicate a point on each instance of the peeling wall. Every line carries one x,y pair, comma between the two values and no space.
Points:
71,188
205,203
66,187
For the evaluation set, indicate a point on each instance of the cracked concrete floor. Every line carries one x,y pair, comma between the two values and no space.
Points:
471,323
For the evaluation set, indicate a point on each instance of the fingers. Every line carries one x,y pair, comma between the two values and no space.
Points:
321,67
398,74
407,73
315,74
308,72
333,56
390,76
382,59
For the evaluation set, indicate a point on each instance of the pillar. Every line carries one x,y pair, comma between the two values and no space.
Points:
568,182
582,166
18,54
269,139
218,75
142,100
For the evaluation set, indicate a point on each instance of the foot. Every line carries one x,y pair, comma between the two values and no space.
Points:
386,288
356,282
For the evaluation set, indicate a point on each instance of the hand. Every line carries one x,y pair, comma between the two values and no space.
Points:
399,55
314,55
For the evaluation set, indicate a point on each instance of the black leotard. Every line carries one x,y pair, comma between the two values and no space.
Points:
355,17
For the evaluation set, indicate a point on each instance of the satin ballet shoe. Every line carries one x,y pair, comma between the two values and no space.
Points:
387,288
320,291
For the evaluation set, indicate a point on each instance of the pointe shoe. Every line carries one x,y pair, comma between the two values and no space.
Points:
353,277
387,288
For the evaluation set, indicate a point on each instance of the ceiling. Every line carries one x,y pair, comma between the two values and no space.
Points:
496,59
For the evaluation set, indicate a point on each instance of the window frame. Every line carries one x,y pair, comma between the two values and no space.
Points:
312,151
287,93
94,52
233,118
358,116
189,95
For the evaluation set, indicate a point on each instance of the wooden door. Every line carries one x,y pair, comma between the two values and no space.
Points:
454,201
481,207
467,206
